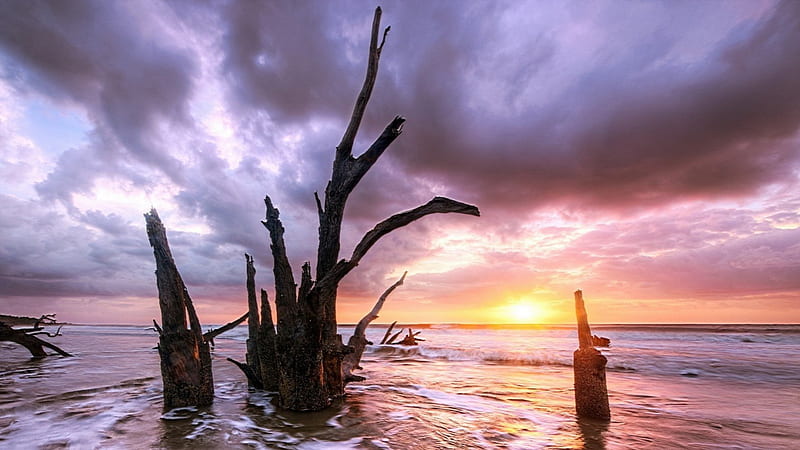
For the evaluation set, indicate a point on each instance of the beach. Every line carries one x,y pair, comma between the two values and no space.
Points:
670,386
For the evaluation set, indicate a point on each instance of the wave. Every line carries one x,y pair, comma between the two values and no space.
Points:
483,356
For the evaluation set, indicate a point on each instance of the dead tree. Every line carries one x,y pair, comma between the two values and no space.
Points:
589,366
27,337
308,351
358,341
185,352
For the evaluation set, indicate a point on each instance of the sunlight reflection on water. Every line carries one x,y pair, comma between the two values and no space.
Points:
461,389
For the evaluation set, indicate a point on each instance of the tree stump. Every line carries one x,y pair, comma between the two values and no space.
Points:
185,353
589,366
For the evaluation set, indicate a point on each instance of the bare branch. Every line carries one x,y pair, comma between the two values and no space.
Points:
367,159
436,205
358,341
157,328
383,41
394,336
249,373
29,341
57,333
388,331
211,334
345,147
361,328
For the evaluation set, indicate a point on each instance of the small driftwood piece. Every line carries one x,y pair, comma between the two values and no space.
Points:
589,366
411,338
359,340
26,337
599,341
395,336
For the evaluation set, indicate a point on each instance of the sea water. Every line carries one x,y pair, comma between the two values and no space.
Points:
679,386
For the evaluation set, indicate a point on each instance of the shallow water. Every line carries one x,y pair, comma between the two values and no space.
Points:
670,387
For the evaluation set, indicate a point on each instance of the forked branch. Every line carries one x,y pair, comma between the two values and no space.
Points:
345,148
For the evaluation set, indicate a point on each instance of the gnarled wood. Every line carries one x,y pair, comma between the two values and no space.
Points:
388,331
589,366
26,337
185,353
358,341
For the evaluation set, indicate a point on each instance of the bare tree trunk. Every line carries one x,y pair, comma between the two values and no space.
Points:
589,366
309,351
185,353
358,341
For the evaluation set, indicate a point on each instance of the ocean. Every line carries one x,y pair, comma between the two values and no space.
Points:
670,386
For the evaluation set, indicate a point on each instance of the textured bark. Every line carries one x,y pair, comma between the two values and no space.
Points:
261,366
26,337
358,341
589,366
253,321
266,347
185,352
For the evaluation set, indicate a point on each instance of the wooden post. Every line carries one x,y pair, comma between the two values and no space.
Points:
589,365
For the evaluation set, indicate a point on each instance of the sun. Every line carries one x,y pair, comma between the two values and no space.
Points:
521,311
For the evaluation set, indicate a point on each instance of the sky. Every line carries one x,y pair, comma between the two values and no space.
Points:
645,152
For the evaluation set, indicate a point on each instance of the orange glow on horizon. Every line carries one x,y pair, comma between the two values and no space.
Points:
523,310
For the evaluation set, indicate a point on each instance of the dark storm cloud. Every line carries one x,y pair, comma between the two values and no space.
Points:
628,133
94,54
279,56
636,129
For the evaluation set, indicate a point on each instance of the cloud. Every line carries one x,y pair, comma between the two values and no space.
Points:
94,55
579,131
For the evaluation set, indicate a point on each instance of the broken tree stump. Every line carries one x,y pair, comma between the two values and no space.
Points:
185,353
589,366
27,337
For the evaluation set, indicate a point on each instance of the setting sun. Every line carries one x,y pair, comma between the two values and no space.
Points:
520,311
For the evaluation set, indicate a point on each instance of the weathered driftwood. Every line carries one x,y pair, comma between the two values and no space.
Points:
309,352
589,366
185,352
599,341
388,330
394,337
411,338
358,341
26,337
